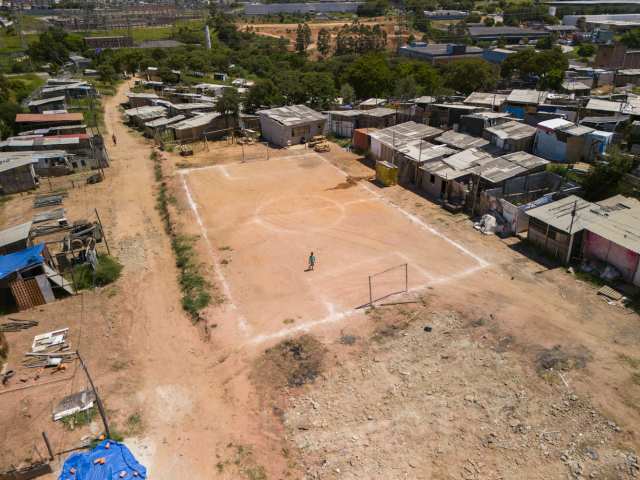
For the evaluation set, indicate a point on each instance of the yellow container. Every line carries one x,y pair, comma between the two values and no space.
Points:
386,173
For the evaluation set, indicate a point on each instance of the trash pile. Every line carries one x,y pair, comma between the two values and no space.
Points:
490,224
50,349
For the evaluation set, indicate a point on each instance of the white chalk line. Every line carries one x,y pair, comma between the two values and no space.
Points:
334,316
222,166
412,217
242,321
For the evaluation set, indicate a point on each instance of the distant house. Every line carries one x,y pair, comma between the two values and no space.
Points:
519,102
497,55
17,174
44,163
511,136
630,76
159,125
605,124
576,87
385,143
596,106
79,62
141,115
40,120
439,53
71,90
447,115
291,125
208,125
492,101
46,104
371,103
476,123
343,122
446,14
121,41
461,141
141,99
189,109
509,34
562,141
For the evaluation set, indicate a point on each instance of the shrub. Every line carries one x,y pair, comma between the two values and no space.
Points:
107,271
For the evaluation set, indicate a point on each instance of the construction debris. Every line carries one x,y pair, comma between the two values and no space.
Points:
49,215
609,292
43,342
48,200
95,178
74,403
16,325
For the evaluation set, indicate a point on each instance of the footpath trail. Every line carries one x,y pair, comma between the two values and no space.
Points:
194,400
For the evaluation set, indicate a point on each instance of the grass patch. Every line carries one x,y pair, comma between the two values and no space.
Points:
108,271
635,378
631,361
195,288
134,424
589,278
79,419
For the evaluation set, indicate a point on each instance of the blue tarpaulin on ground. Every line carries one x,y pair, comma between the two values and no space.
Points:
18,260
117,459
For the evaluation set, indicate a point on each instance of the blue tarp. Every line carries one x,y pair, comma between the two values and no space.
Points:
117,459
18,260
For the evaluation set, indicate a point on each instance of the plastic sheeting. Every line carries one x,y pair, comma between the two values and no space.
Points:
19,260
119,463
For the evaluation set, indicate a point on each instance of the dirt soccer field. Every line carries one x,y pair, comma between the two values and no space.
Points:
273,214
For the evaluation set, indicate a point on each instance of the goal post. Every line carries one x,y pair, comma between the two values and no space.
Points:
392,281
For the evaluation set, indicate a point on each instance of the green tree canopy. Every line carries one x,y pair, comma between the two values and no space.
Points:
469,75
370,76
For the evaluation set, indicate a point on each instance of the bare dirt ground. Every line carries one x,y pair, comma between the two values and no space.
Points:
369,395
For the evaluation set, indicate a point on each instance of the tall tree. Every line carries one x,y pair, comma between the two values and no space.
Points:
469,75
347,93
370,76
229,104
406,88
324,42
300,39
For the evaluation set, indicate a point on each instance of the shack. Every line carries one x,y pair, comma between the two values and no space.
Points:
24,278
141,99
386,142
47,104
41,120
342,123
461,141
492,101
159,125
141,115
291,125
16,238
413,155
511,136
520,102
563,141
209,125
476,123
447,115
17,174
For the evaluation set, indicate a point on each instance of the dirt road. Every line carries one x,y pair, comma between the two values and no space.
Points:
193,401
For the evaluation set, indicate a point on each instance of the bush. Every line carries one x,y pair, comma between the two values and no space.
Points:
108,271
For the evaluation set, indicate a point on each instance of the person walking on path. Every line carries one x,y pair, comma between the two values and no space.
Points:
312,261
113,137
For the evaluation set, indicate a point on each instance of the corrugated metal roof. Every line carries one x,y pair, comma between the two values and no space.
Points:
161,122
141,95
292,115
421,151
512,130
527,96
558,214
44,118
15,161
370,102
525,160
462,163
38,140
191,106
44,101
198,121
399,135
15,234
489,99
461,141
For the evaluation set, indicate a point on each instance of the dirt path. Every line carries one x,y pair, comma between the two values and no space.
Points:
192,398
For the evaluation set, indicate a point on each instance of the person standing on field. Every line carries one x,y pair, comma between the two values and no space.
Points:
312,261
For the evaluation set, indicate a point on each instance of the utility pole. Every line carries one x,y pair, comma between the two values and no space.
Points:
573,217
98,400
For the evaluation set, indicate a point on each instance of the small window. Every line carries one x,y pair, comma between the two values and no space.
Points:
432,178
83,163
293,132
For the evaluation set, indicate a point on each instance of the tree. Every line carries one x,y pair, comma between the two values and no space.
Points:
319,89
528,63
54,46
473,18
489,21
469,75
107,72
427,78
373,8
347,93
307,35
406,88
324,42
586,50
544,43
370,76
605,177
631,39
301,46
263,94
229,104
